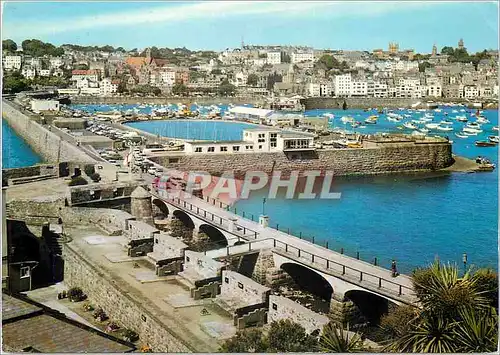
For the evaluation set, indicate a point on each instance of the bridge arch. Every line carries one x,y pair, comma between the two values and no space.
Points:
217,238
370,305
311,281
161,210
184,218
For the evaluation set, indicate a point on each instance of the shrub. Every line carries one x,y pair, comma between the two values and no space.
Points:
75,294
130,335
112,326
100,315
78,180
87,307
95,177
89,169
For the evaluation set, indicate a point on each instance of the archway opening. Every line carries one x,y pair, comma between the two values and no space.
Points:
160,209
181,226
308,287
371,306
216,238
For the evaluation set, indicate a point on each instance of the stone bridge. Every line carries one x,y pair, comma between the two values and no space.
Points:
341,278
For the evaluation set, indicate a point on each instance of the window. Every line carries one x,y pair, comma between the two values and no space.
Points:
273,144
240,285
198,150
187,258
260,146
226,280
249,147
275,306
156,240
223,149
25,272
211,149
236,148
261,135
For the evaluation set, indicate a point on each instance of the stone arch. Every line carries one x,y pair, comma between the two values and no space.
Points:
160,209
184,218
217,238
370,305
311,281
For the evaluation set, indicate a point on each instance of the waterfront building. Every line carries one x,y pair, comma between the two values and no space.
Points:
44,105
471,91
453,90
255,140
240,79
359,88
376,89
273,58
78,75
167,76
12,62
343,85
434,90
108,86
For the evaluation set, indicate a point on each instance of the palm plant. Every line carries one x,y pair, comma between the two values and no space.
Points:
478,332
335,340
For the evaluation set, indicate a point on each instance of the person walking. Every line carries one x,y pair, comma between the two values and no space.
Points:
394,269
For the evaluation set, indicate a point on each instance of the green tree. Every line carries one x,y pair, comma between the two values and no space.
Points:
285,58
14,82
82,66
456,313
287,336
253,79
422,66
216,71
9,45
245,341
334,339
179,89
447,50
226,89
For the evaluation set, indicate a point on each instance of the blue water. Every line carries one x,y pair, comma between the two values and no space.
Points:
409,217
191,129
16,153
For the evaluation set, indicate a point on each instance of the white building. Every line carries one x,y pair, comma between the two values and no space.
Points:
107,86
240,79
377,89
343,85
495,90
359,88
13,62
313,89
167,77
249,113
273,58
256,140
298,57
471,91
90,91
90,74
55,62
44,72
28,72
36,62
44,105
434,90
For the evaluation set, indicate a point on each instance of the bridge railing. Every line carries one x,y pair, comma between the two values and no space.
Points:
356,275
206,215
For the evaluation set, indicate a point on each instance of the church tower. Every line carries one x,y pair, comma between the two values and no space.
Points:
461,44
434,50
148,55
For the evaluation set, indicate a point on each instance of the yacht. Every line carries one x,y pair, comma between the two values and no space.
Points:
444,128
410,125
432,125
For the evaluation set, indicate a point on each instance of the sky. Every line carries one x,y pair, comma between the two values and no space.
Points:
216,25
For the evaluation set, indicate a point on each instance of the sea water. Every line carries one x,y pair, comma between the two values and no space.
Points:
16,153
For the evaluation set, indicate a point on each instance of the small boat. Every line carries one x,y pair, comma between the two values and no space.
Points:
424,130
472,130
446,122
482,119
444,128
432,125
461,135
417,134
371,120
495,128
461,118
393,119
493,139
347,119
485,144
473,125
410,125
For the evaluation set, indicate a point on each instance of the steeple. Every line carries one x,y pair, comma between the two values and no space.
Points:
434,50
461,44
148,54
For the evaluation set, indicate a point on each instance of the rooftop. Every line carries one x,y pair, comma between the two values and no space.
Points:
27,324
250,111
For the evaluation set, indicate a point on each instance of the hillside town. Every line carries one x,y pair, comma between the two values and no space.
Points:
252,71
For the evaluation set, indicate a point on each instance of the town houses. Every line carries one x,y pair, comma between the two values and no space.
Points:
267,70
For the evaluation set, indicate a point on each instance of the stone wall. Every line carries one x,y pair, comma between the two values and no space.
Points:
284,308
119,305
382,159
47,144
237,286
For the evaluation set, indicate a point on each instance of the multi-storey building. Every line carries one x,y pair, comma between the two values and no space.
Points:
359,88
343,85
298,57
273,58
453,91
434,90
167,77
13,62
78,74
471,91
28,72
55,62
108,86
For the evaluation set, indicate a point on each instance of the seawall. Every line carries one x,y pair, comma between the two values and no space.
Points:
385,158
44,142
164,100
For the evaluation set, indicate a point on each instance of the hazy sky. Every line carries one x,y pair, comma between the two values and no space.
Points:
221,24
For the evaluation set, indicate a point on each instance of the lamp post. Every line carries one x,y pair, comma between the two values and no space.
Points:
464,259
263,206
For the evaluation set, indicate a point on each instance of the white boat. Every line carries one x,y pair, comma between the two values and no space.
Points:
424,130
429,115
461,135
446,122
445,129
347,119
393,119
472,130
473,125
418,134
493,139
454,111
461,118
437,110
410,125
495,128
371,120
432,125
482,119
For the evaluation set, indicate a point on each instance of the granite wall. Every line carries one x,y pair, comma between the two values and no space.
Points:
48,145
120,305
403,157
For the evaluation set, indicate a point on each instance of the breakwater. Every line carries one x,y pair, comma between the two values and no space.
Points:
381,158
44,142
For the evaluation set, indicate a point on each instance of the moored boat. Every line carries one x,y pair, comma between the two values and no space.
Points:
444,128
461,135
410,125
485,144
493,139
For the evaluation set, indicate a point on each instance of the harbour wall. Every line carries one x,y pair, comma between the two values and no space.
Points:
44,142
165,100
389,158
